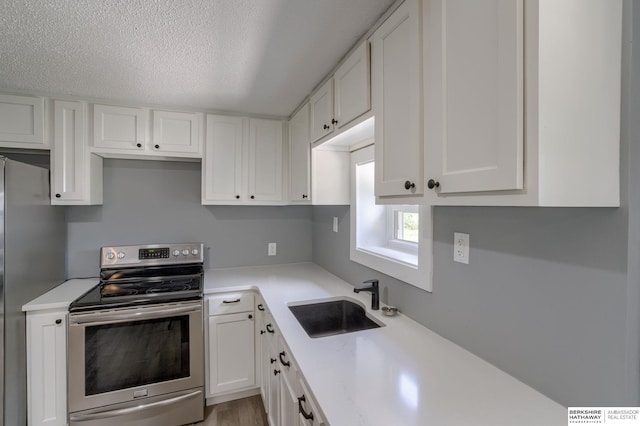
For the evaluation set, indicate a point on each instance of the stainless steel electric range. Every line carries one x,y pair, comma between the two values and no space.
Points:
136,339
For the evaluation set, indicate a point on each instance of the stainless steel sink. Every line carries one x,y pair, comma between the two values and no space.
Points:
320,319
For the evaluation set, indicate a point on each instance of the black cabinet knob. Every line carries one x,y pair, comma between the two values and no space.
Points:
326,127
272,360
58,321
334,121
156,146
262,331
275,372
58,195
250,316
253,197
139,145
304,196
433,184
237,197
409,185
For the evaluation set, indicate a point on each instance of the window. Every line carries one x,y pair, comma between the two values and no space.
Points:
393,239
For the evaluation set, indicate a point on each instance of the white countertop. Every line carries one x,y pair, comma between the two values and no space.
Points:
61,296
400,374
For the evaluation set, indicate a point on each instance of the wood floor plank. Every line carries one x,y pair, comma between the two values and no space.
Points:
241,412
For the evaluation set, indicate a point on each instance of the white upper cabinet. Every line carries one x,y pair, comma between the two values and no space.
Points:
76,173
299,157
119,128
243,161
522,102
397,103
176,132
321,104
344,97
22,122
474,94
126,131
265,160
352,87
222,165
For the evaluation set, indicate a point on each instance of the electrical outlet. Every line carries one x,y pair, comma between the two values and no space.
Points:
272,249
335,224
461,247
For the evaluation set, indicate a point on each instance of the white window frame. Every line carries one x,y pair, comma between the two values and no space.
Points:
398,259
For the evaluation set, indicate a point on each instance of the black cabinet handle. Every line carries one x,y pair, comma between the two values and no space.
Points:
58,195
270,329
58,321
334,121
231,301
282,361
409,185
156,146
308,416
433,184
260,307
275,372
250,316
139,145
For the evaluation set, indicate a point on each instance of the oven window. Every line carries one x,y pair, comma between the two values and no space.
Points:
136,353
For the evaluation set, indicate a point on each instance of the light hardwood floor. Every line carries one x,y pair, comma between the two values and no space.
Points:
241,412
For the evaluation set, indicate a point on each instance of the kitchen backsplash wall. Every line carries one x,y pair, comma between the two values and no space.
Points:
159,201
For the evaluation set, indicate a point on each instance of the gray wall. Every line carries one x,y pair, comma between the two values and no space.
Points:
159,201
550,295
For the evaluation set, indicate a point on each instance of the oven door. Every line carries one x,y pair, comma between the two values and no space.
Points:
128,354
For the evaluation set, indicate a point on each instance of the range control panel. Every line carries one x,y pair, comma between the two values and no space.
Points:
151,254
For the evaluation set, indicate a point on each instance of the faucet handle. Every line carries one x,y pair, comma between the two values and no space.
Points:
374,282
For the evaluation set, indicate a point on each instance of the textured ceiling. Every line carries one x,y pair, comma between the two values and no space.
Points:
248,56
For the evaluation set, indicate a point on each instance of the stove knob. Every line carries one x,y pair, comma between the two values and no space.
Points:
195,252
111,255
185,252
120,255
176,252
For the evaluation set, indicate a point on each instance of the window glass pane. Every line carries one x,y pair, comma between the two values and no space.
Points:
407,226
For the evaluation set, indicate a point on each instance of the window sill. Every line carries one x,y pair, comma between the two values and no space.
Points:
408,259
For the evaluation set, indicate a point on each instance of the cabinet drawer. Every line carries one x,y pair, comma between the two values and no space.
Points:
230,303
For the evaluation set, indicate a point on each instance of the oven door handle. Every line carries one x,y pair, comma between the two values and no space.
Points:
131,315
134,409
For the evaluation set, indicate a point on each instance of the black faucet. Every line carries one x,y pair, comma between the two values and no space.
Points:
375,294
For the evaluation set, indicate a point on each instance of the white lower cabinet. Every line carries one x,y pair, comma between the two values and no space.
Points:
230,346
47,368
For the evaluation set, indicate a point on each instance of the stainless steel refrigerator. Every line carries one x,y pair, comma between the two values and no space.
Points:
32,261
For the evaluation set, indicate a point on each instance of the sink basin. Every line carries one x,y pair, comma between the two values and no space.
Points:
332,317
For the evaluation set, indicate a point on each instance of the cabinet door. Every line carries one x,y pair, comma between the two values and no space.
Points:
119,128
289,392
222,162
232,352
353,86
474,120
22,122
265,160
321,105
273,410
76,174
308,413
397,102
47,369
299,156
176,132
